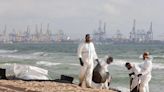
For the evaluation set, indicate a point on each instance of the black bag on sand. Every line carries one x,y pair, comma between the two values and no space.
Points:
65,79
99,75
2,73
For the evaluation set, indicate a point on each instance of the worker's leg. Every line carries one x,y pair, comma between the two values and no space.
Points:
82,74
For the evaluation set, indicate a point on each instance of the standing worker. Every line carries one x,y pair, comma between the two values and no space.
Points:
87,55
145,74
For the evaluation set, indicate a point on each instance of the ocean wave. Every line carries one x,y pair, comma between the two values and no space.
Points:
158,66
17,56
158,56
121,63
40,54
7,51
74,64
11,54
47,63
154,56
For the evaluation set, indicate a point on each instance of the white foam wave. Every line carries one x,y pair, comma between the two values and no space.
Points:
158,66
17,56
7,51
154,56
121,63
11,54
158,56
40,54
47,63
74,64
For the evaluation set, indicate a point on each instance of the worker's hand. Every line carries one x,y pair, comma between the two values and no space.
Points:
97,60
107,73
139,75
131,74
81,62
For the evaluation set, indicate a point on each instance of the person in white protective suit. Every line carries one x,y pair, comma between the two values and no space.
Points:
134,70
145,74
101,76
87,55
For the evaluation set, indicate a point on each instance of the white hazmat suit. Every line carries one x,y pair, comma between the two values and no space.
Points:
87,53
135,79
146,69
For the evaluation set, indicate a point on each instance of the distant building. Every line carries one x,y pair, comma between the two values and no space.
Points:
39,36
137,36
100,33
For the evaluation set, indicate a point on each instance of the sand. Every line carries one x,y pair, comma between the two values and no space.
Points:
44,86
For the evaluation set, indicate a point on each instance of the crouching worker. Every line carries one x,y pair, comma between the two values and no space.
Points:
134,79
101,77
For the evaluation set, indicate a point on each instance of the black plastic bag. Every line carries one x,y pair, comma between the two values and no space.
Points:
99,75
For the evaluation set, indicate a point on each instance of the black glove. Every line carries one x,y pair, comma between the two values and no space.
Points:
131,74
139,75
81,62
97,60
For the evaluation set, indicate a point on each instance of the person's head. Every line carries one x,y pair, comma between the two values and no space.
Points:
128,65
109,60
87,38
145,55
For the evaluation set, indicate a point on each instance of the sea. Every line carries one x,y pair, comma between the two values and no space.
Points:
61,59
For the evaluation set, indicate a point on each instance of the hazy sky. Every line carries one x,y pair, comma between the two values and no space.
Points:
78,17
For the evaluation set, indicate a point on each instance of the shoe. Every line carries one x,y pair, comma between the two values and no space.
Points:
80,84
88,86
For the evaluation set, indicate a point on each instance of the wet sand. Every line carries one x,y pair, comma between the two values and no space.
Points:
44,86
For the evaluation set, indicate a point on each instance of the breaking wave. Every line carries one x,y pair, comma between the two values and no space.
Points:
40,54
47,63
7,51
17,56
122,64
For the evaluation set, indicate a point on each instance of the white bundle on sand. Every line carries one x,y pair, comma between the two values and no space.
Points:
25,72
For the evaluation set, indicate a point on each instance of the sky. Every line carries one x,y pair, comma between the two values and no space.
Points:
78,17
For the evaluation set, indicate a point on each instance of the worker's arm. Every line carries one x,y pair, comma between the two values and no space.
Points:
146,69
94,53
79,52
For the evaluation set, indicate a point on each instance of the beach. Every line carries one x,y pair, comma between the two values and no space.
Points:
61,59
44,86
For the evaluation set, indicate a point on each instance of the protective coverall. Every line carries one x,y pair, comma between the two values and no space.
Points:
87,53
135,81
146,69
